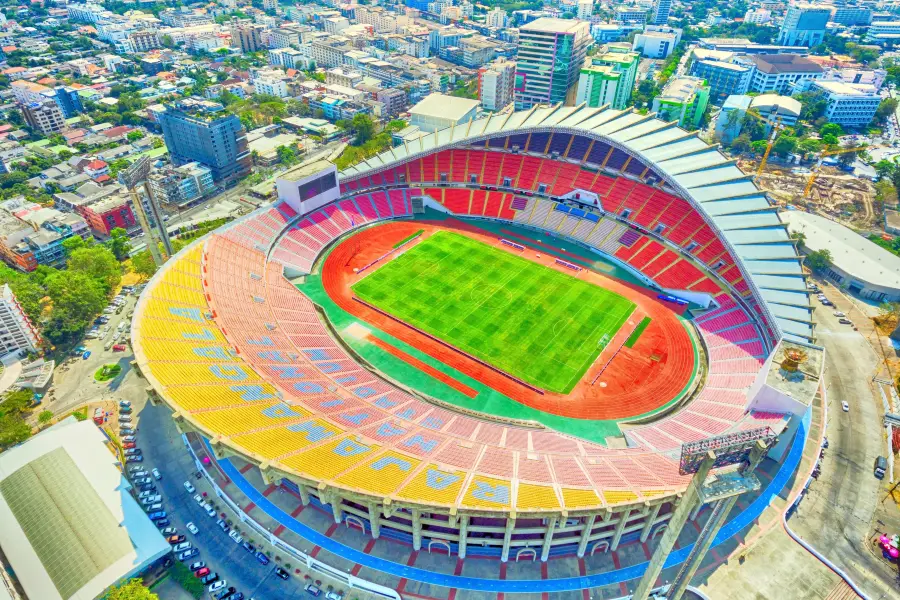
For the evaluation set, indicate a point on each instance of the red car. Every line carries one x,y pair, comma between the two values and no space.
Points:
119,348
127,445
201,572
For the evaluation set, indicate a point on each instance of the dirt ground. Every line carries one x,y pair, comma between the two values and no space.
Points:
836,194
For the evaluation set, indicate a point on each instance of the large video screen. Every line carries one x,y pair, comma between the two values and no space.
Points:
313,188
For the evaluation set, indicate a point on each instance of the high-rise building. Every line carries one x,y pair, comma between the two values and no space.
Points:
608,78
246,36
684,99
660,13
496,83
17,334
804,25
45,117
584,9
181,186
199,130
496,18
551,53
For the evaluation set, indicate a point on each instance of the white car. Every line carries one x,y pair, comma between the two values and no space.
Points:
233,534
192,528
182,547
156,474
215,587
845,406
838,313
199,499
209,509
190,489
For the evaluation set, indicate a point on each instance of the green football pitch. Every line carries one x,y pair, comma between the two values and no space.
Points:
535,323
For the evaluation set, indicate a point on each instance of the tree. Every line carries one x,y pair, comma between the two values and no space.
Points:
831,129
884,168
364,128
13,430
886,108
77,298
135,135
800,237
45,417
118,243
830,140
167,41
809,146
889,309
814,105
785,144
819,260
17,402
741,143
74,243
99,264
286,155
133,589
29,295
142,264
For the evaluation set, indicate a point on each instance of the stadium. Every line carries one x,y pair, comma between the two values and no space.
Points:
494,339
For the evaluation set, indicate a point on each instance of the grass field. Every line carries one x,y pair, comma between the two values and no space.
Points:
540,325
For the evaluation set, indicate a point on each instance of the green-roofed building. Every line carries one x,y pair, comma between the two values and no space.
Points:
71,527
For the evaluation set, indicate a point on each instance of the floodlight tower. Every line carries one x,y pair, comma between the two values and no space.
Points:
131,178
746,449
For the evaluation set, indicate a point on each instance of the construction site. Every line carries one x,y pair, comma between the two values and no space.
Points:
834,193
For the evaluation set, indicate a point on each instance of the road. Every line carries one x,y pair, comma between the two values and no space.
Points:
837,514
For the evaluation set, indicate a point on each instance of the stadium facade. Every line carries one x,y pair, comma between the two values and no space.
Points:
242,356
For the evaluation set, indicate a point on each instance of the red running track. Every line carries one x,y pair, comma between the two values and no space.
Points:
638,380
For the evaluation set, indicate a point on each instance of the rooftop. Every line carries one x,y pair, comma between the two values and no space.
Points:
444,107
783,105
847,89
850,252
774,64
551,25
71,529
682,88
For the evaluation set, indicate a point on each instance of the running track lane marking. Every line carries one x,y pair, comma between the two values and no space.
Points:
423,366
563,584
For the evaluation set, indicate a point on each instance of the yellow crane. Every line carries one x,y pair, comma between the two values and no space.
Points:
814,172
777,127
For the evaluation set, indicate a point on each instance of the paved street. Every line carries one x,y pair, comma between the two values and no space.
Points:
837,514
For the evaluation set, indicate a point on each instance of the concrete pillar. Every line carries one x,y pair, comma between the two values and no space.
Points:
585,534
375,520
620,529
507,535
463,535
670,536
417,529
720,512
304,494
336,508
648,525
548,537
696,511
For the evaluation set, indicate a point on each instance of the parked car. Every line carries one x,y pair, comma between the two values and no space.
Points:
128,445
845,406
169,531
234,535
136,468
237,596
135,458
119,348
156,474
210,578
175,539
155,516
125,419
128,438
197,565
199,499
845,321
143,495
126,431
249,547
147,487
210,511
262,558
182,547
139,472
838,313
153,507
133,452
125,410
124,403
188,554
279,572
203,572
190,489
334,596
223,525
312,590
217,586
142,480
225,594
192,528
163,523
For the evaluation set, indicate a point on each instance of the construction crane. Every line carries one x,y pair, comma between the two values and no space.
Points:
814,172
777,127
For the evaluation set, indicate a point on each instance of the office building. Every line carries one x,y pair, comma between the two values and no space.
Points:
848,105
45,117
496,84
608,78
271,86
181,186
393,99
630,14
660,13
17,334
496,18
804,25
759,16
584,9
246,36
852,16
71,526
723,78
551,54
200,130
780,73
884,32
777,109
144,41
656,41
69,101
684,99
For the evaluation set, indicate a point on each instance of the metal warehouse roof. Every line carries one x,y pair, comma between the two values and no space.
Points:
688,167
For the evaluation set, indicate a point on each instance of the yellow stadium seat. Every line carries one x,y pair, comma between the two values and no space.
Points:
532,496
618,496
326,461
166,329
278,441
244,419
575,499
487,492
382,475
434,486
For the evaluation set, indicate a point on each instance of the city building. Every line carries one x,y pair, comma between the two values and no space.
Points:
107,214
684,99
71,526
630,14
200,130
584,9
26,92
438,111
852,16
45,117
17,334
31,235
660,13
848,105
723,78
759,16
551,54
775,108
496,18
181,186
608,78
731,118
780,73
273,86
246,36
804,25
496,84
884,32
393,99
858,265
144,41
656,41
